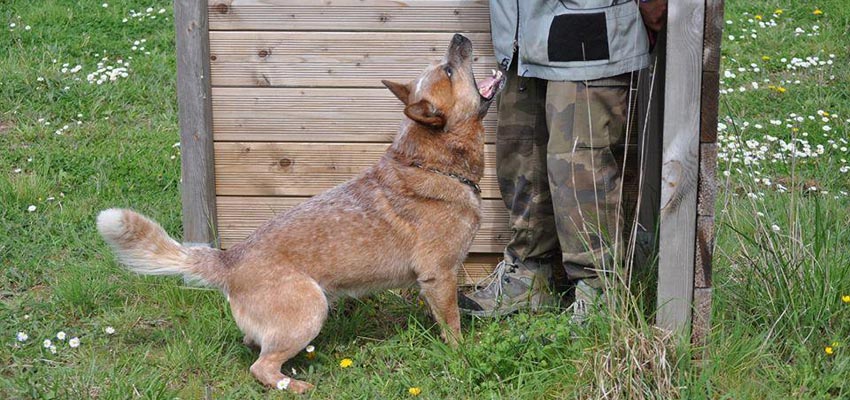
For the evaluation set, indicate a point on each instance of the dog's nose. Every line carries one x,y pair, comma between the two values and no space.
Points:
459,49
458,39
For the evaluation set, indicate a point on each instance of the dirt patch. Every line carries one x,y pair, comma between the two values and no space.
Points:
5,126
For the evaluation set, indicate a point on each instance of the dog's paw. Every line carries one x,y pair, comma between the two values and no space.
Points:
293,385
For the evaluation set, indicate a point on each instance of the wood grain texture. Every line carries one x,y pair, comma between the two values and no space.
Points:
710,106
195,119
701,329
305,169
350,15
680,164
332,59
704,252
239,216
707,179
476,267
713,35
312,115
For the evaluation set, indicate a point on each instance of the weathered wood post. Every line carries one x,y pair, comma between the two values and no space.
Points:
195,115
688,164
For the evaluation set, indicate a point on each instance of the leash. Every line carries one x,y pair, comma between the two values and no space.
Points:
462,179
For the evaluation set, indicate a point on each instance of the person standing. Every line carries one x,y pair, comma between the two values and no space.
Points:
570,66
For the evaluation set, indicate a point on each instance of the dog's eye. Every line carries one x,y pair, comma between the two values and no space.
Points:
448,70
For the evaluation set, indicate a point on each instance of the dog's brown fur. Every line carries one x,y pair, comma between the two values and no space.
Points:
400,222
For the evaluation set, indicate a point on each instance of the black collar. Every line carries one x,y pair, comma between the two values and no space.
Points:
462,179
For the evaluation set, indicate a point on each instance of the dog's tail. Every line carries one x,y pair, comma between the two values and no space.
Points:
144,247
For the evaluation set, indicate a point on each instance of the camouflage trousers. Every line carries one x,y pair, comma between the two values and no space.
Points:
557,172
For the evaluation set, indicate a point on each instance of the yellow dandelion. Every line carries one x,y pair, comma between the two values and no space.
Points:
829,350
825,114
777,11
765,58
817,11
795,129
758,17
846,298
346,362
414,391
781,89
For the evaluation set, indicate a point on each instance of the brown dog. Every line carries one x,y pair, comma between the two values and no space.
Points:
409,219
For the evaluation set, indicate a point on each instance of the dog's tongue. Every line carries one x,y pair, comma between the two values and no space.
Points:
487,87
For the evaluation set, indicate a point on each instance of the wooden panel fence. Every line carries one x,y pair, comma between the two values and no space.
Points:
281,99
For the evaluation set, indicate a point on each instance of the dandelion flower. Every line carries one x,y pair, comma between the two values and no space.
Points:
415,391
47,343
817,11
74,342
109,330
758,17
60,335
765,58
829,350
777,11
22,336
846,298
346,362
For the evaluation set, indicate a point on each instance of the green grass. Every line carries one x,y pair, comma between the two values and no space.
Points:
777,293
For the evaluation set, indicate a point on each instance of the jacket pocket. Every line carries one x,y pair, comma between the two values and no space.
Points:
578,37
559,35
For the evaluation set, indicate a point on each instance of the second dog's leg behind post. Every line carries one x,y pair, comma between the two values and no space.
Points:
438,284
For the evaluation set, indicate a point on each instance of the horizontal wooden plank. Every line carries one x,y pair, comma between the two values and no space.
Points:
304,169
477,267
356,15
239,216
311,115
331,59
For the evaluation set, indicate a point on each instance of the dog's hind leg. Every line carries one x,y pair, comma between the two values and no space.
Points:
440,291
282,317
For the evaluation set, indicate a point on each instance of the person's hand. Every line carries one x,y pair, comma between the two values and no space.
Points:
654,14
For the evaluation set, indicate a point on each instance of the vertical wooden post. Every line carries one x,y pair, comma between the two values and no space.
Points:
680,163
708,166
195,114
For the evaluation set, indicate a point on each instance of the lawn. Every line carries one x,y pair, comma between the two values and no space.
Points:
88,121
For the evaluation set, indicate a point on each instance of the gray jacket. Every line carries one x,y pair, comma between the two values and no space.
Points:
569,40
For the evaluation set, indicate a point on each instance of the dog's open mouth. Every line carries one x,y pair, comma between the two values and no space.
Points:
491,85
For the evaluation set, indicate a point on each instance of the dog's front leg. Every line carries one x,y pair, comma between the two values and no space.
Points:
440,291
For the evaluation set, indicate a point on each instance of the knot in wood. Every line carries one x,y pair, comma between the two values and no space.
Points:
263,53
222,8
213,57
284,162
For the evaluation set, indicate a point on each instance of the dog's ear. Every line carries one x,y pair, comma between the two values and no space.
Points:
399,90
425,113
